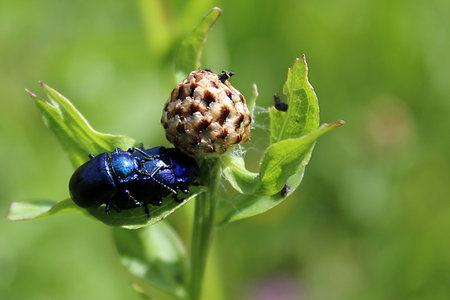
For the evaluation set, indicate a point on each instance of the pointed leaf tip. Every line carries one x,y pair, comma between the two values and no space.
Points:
31,94
334,124
218,9
302,115
190,51
31,210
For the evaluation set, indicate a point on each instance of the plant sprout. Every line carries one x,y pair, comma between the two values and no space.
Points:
148,246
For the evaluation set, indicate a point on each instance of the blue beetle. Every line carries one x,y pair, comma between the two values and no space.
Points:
133,178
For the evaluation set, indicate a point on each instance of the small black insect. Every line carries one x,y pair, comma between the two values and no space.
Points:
280,105
285,190
133,178
225,76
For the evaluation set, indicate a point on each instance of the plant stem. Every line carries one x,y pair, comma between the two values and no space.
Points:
205,205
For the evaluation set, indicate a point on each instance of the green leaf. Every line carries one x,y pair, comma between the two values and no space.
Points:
155,254
293,136
31,210
249,205
156,25
128,218
246,206
302,115
233,166
282,163
242,180
283,159
136,218
79,139
73,131
190,51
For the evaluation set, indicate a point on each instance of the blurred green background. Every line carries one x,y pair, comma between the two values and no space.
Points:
371,219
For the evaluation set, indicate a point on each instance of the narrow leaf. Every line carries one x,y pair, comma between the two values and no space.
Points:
31,210
190,51
155,254
302,115
73,131
157,26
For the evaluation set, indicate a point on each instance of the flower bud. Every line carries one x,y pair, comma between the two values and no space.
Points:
205,114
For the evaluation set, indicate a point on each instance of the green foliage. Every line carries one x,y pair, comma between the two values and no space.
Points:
241,179
190,51
368,222
293,136
302,117
156,254
79,139
287,157
136,218
73,131
31,210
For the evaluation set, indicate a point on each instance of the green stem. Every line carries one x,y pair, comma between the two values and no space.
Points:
205,205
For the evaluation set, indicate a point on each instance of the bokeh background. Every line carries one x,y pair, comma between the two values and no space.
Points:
371,219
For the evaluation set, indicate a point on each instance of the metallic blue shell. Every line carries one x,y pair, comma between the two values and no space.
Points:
128,179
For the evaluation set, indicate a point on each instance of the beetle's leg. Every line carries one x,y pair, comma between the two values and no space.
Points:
146,210
148,157
108,206
130,197
91,156
115,207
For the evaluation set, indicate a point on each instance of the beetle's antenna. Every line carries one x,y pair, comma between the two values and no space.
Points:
159,182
